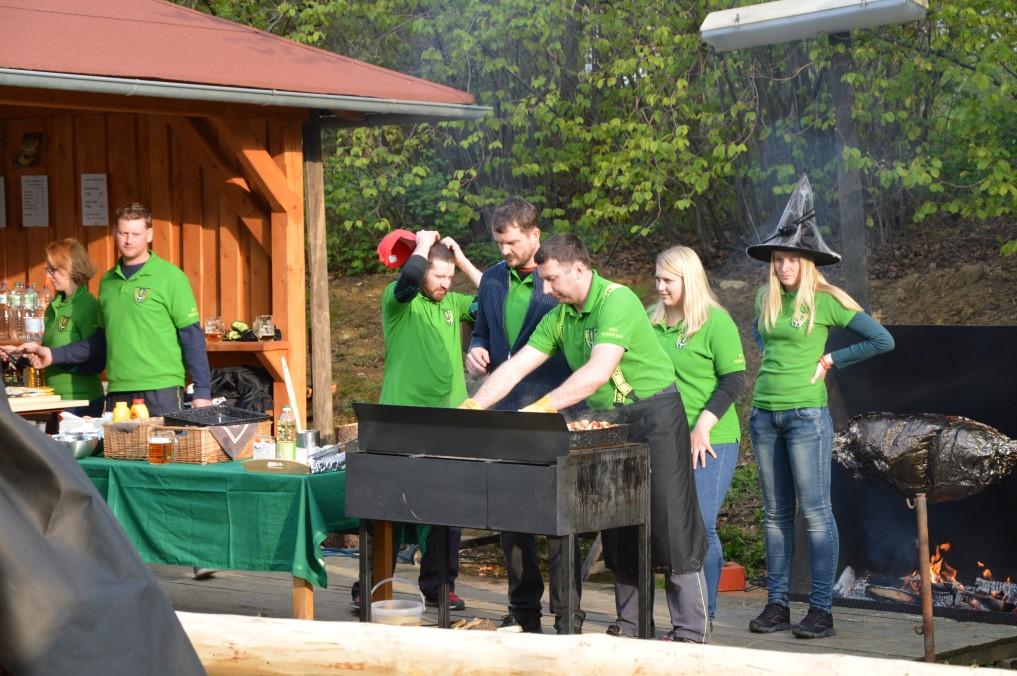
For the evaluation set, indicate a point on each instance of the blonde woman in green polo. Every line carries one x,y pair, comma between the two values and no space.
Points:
703,343
790,425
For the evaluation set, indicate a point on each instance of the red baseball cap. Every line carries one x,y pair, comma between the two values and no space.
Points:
396,247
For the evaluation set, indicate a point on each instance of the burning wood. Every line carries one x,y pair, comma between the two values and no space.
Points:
946,457
947,590
585,424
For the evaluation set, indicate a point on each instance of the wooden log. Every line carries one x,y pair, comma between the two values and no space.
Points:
230,644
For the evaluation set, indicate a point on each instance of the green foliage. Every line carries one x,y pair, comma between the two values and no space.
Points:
618,121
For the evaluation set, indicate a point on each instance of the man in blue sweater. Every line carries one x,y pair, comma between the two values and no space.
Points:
511,301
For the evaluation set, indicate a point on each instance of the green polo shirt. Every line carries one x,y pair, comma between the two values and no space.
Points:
612,314
517,302
715,350
69,320
141,316
790,356
424,349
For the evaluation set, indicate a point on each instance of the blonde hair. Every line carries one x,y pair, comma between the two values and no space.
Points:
810,280
697,297
68,255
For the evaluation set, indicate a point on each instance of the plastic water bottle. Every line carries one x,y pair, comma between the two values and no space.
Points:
5,311
286,435
17,319
33,315
46,297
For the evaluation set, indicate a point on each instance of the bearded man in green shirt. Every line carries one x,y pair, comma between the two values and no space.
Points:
424,358
618,364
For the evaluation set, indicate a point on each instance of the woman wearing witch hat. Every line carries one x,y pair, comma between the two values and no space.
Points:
790,425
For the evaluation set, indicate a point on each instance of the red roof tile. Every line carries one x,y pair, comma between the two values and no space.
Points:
157,40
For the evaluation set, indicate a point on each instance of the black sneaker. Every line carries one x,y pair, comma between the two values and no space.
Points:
559,624
817,623
775,617
526,625
616,630
674,637
454,602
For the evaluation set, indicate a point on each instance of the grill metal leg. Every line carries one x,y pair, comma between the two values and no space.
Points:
568,580
366,577
444,588
645,581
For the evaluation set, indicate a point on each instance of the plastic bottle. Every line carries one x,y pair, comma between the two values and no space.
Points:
32,314
121,413
138,409
17,329
286,435
45,297
5,321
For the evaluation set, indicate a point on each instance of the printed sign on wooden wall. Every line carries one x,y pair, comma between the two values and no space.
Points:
35,201
94,200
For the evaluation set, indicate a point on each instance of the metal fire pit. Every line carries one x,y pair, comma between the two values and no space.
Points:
496,470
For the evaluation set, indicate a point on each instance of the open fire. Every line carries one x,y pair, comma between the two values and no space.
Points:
983,593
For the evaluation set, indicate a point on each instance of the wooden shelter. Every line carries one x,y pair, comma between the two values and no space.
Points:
216,127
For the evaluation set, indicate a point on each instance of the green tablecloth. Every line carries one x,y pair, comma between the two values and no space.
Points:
221,516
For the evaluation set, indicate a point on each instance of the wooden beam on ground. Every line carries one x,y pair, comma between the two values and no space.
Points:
317,259
230,644
257,164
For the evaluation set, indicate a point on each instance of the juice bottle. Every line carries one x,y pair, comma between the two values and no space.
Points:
121,413
286,435
138,409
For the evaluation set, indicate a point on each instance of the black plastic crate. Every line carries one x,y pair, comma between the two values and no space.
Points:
209,416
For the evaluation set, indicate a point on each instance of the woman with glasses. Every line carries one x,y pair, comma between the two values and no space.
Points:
72,315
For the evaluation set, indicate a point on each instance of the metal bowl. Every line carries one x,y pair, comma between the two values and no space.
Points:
79,446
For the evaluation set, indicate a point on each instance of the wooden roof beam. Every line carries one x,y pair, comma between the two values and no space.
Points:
258,165
220,171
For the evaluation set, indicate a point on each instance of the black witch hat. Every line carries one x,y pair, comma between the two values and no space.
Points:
797,231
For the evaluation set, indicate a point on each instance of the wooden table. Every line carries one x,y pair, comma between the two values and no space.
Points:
44,404
267,355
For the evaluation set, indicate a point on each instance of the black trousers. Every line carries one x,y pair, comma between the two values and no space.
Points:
428,580
526,584
159,402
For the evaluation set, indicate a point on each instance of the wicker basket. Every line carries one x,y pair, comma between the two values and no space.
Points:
197,445
128,440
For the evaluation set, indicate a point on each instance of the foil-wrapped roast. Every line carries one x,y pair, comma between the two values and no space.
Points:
946,457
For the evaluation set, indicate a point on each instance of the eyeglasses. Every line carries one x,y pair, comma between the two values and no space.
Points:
50,270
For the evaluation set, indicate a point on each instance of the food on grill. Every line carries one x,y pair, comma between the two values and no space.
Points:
946,457
579,425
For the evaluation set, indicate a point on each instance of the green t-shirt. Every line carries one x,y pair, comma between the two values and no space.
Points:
715,350
69,320
790,356
424,349
141,316
517,301
614,315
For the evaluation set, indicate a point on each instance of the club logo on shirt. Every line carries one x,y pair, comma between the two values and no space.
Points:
140,294
448,316
798,319
64,322
682,340
589,335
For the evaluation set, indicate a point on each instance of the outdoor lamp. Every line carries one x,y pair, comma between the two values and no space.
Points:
785,20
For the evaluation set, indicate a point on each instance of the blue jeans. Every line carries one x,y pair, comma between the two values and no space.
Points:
712,483
792,451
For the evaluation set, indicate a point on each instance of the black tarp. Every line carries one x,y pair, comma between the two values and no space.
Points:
75,597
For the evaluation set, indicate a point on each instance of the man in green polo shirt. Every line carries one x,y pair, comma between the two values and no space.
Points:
148,324
618,364
424,359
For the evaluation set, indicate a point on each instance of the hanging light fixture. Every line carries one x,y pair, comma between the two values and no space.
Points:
785,20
